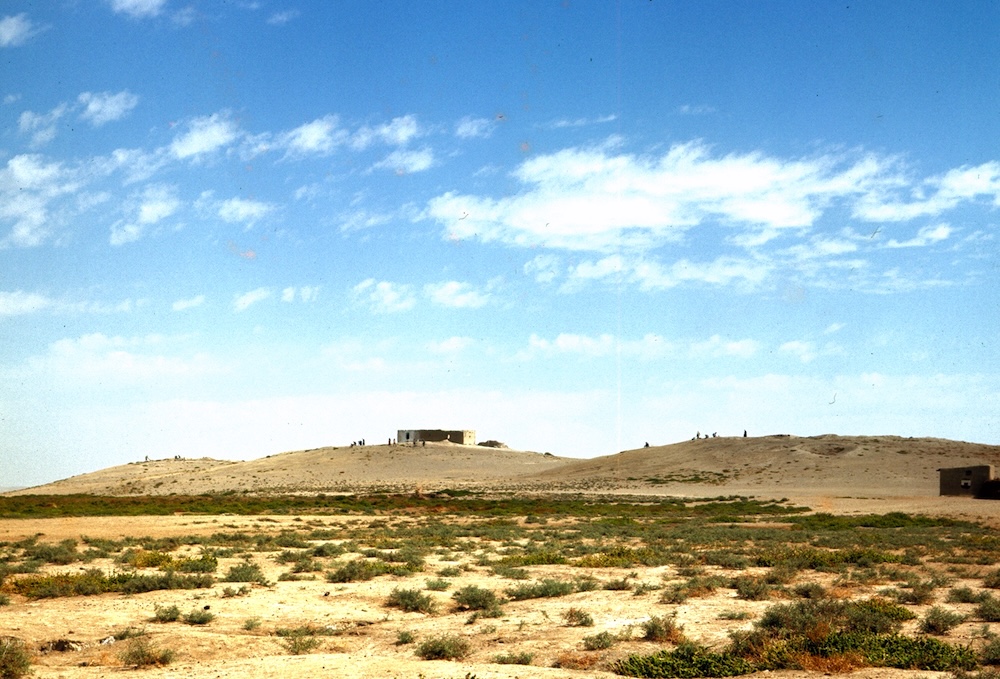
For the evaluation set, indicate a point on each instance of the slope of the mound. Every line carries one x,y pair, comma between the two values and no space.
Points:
436,465
829,464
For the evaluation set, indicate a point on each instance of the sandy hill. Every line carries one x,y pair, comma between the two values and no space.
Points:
874,466
436,465
777,466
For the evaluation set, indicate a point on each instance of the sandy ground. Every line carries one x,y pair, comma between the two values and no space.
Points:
841,475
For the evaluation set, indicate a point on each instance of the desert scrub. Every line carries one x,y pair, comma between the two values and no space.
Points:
405,637
473,598
965,595
809,590
206,563
362,570
15,659
751,589
599,641
411,601
522,658
199,616
448,647
576,617
246,571
662,629
94,581
940,621
988,609
542,589
140,652
251,624
437,584
300,644
166,614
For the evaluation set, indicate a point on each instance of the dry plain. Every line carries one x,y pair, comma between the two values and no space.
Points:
576,525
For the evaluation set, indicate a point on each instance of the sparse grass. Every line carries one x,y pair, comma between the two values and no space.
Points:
300,644
15,659
522,658
251,624
411,601
940,621
141,652
448,647
575,617
166,614
198,616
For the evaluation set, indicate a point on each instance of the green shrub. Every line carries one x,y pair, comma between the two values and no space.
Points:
166,614
599,641
687,660
940,621
989,654
450,572
140,652
299,644
15,659
809,590
509,572
575,617
751,589
405,637
618,585
361,570
473,598
206,563
198,616
251,624
129,632
541,589
662,629
437,585
247,571
411,600
992,579
988,609
523,658
447,647
965,595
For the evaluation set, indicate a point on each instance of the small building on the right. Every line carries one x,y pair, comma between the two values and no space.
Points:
971,481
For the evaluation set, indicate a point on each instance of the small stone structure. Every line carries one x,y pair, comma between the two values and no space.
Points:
972,480
464,436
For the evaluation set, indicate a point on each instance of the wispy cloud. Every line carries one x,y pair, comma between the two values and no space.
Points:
205,135
471,128
306,293
695,109
138,9
17,30
282,18
151,206
243,210
185,304
320,136
384,296
456,295
933,196
18,302
925,236
104,107
41,127
405,161
581,122
451,345
248,299
397,132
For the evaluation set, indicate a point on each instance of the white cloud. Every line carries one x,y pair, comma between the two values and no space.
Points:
397,132
363,219
717,346
282,18
544,268
320,136
452,345
385,296
41,126
151,206
18,302
650,274
105,107
933,196
28,184
305,293
834,328
185,304
925,236
695,109
581,122
469,128
17,30
205,135
456,295
102,358
247,299
404,161
138,9
243,210
591,199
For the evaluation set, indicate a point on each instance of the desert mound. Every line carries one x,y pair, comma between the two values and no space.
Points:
337,469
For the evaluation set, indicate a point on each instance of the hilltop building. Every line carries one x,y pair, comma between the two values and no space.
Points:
975,480
463,436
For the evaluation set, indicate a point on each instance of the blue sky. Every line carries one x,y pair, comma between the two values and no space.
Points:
231,229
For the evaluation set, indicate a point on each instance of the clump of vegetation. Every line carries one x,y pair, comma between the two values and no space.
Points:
662,629
141,652
988,609
246,571
360,570
15,659
940,621
542,589
576,617
448,647
300,644
437,584
251,624
166,614
198,616
411,601
405,637
599,641
94,581
522,658
965,595
473,598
